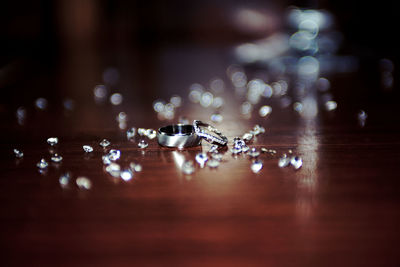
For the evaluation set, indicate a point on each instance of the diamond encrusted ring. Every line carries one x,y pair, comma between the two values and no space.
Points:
214,137
178,135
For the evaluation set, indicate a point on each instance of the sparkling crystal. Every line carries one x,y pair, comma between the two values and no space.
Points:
136,167
264,111
87,148
42,164
254,153
247,137
284,161
236,150
52,141
114,154
258,130
64,179
238,143
126,175
114,169
245,149
201,158
264,150
143,144
106,159
56,158
131,133
141,131
83,183
18,154
188,167
330,105
151,134
105,143
216,156
296,162
256,166
213,163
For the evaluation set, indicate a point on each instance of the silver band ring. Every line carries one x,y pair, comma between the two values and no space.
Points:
178,135
217,139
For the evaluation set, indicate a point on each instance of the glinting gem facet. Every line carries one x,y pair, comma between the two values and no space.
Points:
52,141
87,148
105,143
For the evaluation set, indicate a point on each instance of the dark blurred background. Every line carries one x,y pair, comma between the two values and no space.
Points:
61,48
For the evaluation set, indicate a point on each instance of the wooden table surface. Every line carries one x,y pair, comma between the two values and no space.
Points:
340,209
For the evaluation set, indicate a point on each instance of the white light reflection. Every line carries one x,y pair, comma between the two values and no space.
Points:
308,175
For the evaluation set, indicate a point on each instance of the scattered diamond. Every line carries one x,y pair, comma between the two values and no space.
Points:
188,167
64,179
106,160
141,131
216,156
42,164
143,144
105,143
151,134
126,175
56,158
114,154
296,162
258,130
213,163
256,166
18,154
284,161
254,153
87,148
52,141
247,137
264,111
83,183
131,133
201,158
114,169
136,167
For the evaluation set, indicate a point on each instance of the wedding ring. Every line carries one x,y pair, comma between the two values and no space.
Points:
216,138
178,135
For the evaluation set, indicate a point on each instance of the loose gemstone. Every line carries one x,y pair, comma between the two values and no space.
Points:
114,169
258,130
56,158
254,153
256,166
106,160
126,175
188,167
18,154
105,143
296,162
42,164
151,134
264,150
135,167
238,143
114,154
83,183
264,111
236,150
201,158
141,131
284,161
143,144
87,148
52,141
245,149
247,137
216,156
213,163
131,133
64,179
